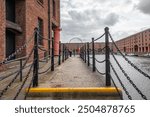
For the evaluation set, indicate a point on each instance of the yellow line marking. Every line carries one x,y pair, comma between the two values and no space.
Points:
78,90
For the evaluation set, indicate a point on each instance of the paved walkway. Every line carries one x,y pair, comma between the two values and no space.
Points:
72,73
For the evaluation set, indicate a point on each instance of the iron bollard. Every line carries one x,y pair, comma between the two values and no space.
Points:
59,58
88,54
21,70
63,53
108,80
52,58
85,52
36,59
93,56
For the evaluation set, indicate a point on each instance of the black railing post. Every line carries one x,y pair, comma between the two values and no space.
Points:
88,54
35,60
108,80
59,58
63,53
52,58
21,70
85,52
93,52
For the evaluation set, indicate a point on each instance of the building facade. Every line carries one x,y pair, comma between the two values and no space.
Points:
77,46
138,44
19,18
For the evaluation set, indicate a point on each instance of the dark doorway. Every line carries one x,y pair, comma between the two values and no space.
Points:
10,43
124,49
135,48
10,10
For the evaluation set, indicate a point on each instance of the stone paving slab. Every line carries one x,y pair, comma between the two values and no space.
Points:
73,73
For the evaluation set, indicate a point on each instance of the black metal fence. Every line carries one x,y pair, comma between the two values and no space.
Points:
31,66
88,56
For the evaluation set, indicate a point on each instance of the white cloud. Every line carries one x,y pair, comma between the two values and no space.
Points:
87,19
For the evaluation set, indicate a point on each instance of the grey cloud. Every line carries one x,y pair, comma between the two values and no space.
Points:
111,19
144,6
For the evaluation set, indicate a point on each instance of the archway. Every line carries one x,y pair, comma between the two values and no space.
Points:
136,48
75,47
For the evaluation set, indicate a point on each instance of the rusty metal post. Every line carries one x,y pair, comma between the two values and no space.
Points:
108,79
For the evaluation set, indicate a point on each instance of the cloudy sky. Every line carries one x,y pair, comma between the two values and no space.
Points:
88,18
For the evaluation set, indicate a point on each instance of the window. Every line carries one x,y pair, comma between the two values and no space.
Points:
10,10
40,27
54,8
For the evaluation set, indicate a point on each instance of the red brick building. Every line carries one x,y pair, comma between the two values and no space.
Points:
77,46
18,19
138,43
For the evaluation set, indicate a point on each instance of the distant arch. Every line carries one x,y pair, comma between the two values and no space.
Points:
77,49
76,38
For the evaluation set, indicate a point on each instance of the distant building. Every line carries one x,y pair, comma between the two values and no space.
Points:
77,46
18,18
138,43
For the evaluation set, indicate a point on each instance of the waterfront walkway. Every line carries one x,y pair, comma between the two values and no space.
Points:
73,76
72,73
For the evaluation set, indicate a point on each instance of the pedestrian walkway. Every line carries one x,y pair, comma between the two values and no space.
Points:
74,79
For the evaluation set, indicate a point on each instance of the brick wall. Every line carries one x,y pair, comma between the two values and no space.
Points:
138,43
2,29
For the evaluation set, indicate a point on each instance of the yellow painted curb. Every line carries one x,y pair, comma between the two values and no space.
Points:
72,90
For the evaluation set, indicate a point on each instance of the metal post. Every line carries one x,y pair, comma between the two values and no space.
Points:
35,60
63,56
52,58
108,80
85,53
88,54
21,70
59,58
93,56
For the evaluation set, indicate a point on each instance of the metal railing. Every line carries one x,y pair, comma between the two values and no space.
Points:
89,58
30,66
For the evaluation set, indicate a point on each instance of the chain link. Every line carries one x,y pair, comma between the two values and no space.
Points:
13,80
99,61
100,72
27,76
124,88
134,66
128,78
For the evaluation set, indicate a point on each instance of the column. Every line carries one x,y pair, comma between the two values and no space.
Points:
57,39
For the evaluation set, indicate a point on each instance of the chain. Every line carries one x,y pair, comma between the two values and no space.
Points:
99,37
13,80
128,78
116,87
100,61
124,88
27,76
42,49
100,72
134,66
